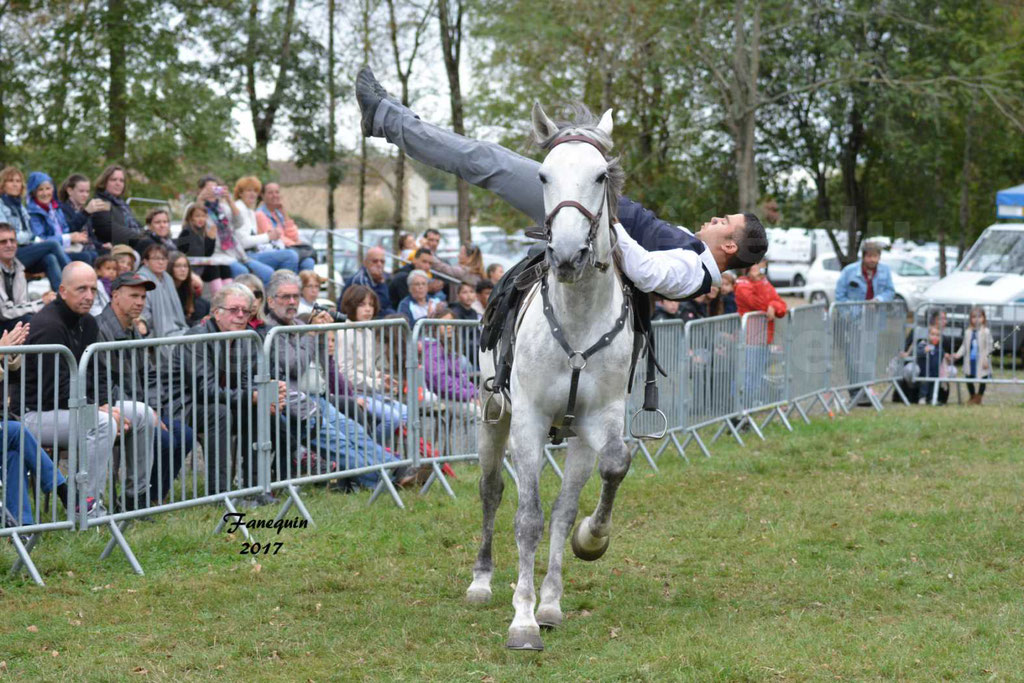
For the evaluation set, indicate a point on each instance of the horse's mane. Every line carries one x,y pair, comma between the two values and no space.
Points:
580,121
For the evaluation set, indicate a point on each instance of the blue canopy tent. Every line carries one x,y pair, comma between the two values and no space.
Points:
1010,202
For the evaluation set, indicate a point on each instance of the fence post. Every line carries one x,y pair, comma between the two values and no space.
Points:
787,357
266,393
414,381
741,366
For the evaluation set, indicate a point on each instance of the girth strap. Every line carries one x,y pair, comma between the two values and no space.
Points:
577,359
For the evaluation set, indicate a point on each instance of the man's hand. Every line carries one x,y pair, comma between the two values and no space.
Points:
321,318
49,296
15,336
79,238
95,205
434,285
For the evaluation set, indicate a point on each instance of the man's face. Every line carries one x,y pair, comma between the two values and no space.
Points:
129,301
157,262
233,314
78,290
870,260
374,263
8,245
272,195
422,262
467,295
670,307
285,302
720,233
431,241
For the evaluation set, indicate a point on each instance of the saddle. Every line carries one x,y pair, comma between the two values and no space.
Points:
499,325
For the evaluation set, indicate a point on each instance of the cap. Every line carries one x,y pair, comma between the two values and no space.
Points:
132,280
119,249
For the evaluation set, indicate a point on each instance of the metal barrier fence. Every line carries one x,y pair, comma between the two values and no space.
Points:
235,417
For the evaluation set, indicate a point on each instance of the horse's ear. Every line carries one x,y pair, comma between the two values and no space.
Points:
605,124
543,127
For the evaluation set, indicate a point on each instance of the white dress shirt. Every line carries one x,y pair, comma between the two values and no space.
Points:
674,274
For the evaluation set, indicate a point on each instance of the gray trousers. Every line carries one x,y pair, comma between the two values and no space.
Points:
134,448
511,176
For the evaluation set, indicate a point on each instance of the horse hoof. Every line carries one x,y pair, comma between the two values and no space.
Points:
522,639
549,616
478,596
587,554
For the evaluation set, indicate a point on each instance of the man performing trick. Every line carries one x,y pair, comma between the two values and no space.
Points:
656,256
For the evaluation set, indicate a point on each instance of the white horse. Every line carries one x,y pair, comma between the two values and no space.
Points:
589,311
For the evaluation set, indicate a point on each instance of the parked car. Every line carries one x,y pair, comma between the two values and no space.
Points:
910,279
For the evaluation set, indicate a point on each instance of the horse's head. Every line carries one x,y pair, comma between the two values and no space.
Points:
581,186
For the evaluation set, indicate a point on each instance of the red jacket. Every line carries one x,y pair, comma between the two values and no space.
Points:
758,296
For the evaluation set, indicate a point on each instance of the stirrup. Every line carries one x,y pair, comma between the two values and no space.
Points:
501,411
658,435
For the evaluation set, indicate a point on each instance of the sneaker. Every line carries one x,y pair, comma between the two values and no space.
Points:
93,508
369,93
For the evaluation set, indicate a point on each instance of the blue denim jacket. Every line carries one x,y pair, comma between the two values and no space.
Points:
853,287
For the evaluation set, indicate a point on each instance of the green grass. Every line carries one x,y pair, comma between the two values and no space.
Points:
869,547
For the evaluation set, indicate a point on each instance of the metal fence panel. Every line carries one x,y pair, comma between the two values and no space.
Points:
762,376
866,338
809,350
670,352
712,347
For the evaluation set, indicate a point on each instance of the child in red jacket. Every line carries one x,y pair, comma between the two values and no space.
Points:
755,293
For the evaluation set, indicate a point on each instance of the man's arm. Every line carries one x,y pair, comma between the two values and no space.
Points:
884,289
674,274
843,285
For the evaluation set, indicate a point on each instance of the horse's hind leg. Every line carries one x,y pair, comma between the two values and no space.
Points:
491,447
590,538
579,463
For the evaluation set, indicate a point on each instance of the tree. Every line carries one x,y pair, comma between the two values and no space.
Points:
451,49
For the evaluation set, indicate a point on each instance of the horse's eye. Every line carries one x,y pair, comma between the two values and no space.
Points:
543,178
601,178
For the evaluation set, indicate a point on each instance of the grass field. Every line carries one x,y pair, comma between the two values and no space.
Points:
872,546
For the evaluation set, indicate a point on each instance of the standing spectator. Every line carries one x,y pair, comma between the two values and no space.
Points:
667,309
867,279
371,274
158,228
398,286
310,292
73,196
38,256
417,305
728,293
129,380
273,216
471,264
713,303
48,222
431,240
66,321
483,295
263,247
199,239
755,293
15,306
193,304
930,368
976,350
495,272
163,311
117,224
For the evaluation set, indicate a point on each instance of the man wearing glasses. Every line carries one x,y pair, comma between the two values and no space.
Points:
372,275
15,306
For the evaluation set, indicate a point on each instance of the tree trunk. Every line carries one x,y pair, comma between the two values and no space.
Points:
361,216
263,115
117,104
332,171
746,68
451,48
854,211
965,187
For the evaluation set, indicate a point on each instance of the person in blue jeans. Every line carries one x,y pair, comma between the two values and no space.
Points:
23,457
38,256
172,446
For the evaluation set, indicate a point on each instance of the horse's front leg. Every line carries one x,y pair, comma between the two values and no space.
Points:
528,436
491,446
591,537
579,463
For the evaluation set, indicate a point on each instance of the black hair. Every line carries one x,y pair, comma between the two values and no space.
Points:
483,285
7,226
421,251
207,179
151,248
751,245
431,231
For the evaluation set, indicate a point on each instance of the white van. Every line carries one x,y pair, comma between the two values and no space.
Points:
992,271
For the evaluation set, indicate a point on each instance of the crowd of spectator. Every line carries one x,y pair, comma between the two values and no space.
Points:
237,264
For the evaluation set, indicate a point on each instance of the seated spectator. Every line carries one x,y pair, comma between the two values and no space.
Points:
431,240
444,372
24,456
38,256
223,216
158,228
271,215
728,293
310,292
483,295
163,312
666,309
106,271
48,222
73,196
976,350
127,259
398,285
371,274
255,285
417,305
495,272
331,434
131,375
15,306
359,358
66,321
263,247
189,290
464,308
198,238
116,225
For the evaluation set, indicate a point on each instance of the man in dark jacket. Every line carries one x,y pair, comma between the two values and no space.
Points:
372,275
67,322
398,286
126,371
15,306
